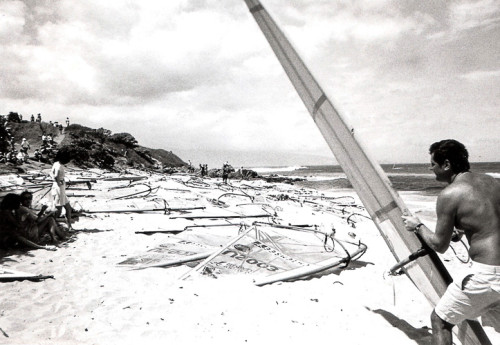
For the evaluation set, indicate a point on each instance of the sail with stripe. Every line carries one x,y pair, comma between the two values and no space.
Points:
371,184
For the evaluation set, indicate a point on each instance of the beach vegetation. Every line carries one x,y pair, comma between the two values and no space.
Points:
13,117
124,138
88,147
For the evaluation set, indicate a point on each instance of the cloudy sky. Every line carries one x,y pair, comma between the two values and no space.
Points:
197,77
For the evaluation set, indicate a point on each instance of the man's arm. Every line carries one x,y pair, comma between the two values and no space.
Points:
439,240
31,244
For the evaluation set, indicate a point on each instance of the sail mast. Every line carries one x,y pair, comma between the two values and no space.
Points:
368,179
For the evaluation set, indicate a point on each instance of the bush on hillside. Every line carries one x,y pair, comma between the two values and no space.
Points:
79,155
13,117
146,154
102,134
103,159
124,138
4,143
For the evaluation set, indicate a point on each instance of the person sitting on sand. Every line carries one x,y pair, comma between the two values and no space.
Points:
9,225
37,155
58,190
35,225
20,157
470,203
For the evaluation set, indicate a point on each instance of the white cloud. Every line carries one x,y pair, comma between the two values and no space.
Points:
11,21
466,15
200,75
481,75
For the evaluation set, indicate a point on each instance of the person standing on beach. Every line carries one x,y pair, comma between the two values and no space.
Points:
58,190
470,203
225,172
25,146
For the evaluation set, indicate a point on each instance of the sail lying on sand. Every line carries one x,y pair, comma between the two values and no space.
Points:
382,203
269,253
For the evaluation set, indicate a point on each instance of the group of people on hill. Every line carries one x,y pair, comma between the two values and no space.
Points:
55,124
15,156
12,155
19,156
48,148
21,224
38,118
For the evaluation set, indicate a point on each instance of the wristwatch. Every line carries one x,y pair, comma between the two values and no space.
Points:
417,227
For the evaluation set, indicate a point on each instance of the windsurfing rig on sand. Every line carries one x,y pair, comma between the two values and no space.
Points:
383,204
269,255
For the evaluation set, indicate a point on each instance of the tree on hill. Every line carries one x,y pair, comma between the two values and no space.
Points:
103,134
4,142
125,139
13,117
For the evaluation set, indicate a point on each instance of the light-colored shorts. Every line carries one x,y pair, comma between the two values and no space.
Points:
474,293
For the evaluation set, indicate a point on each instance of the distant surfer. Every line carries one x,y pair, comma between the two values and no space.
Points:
58,190
470,203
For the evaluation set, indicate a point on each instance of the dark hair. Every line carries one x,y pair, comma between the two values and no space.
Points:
63,156
26,195
452,150
10,202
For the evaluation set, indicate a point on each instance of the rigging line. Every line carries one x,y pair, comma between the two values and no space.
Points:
457,256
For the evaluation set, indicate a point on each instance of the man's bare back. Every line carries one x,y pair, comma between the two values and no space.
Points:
476,200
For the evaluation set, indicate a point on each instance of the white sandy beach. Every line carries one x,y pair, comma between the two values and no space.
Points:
92,300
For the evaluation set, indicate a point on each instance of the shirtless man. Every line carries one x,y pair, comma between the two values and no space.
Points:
470,203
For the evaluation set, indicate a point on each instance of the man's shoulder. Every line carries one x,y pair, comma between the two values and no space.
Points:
453,193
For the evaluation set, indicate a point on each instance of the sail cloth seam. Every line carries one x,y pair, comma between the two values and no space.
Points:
381,214
256,8
318,105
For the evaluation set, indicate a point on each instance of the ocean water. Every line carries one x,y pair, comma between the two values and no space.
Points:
404,177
